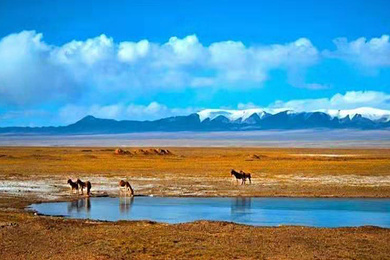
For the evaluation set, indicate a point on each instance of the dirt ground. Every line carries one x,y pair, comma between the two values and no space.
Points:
35,174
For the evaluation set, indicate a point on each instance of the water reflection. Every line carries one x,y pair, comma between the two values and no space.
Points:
125,204
241,205
79,205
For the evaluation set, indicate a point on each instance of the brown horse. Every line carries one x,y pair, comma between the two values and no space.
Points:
73,186
126,186
241,176
83,185
246,176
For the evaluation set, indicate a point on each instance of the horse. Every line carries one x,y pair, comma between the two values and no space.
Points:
237,175
73,186
83,185
126,186
241,176
246,176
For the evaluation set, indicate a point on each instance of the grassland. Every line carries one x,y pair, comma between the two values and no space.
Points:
206,171
31,174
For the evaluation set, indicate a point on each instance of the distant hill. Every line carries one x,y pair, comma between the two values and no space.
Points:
224,120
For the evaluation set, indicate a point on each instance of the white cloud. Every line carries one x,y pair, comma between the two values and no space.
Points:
88,52
27,72
32,69
350,100
367,53
236,62
133,51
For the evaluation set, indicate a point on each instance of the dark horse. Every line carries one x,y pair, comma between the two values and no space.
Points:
73,185
241,176
83,185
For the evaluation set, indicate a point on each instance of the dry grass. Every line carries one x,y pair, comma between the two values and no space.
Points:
23,236
206,171
190,162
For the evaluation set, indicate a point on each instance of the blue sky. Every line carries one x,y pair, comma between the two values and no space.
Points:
61,60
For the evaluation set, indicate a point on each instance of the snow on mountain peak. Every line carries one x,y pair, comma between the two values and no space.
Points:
366,112
233,115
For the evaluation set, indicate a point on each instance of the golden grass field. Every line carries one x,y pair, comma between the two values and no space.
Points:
206,171
31,174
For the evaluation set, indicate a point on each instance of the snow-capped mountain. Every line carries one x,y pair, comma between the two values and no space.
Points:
232,115
372,114
226,120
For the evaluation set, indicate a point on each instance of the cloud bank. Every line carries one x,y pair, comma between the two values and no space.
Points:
99,65
373,53
349,100
31,67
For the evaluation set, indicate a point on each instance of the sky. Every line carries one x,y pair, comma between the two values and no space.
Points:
143,60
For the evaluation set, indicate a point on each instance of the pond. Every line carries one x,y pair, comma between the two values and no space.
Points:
315,212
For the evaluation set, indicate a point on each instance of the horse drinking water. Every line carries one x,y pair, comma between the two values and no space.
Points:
126,186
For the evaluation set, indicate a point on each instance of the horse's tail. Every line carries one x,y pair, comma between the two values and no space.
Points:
89,186
249,177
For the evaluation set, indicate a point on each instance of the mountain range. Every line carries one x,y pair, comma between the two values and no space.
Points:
224,120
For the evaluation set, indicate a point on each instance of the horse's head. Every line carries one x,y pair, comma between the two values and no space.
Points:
78,181
69,181
232,172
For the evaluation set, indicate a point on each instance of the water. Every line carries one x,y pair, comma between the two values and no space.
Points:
314,212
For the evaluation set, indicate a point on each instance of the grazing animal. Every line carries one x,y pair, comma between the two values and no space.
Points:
126,186
73,186
83,185
237,176
246,176
241,176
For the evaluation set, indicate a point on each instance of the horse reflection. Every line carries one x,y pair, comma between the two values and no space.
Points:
125,204
80,205
241,205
